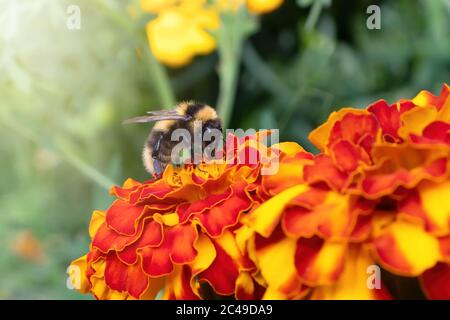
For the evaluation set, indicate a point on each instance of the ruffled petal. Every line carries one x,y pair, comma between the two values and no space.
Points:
151,236
222,274
177,247
122,277
406,249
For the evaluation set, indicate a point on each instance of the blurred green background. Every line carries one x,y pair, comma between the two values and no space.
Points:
64,93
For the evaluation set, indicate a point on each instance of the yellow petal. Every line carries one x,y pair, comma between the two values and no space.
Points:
77,274
206,253
263,6
276,262
436,202
353,282
97,219
169,219
289,148
265,218
415,120
405,248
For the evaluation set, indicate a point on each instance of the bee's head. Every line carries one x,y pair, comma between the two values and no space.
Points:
212,124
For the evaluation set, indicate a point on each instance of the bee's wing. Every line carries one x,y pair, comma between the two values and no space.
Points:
158,116
162,112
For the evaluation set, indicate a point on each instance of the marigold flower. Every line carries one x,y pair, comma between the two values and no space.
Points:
175,234
376,194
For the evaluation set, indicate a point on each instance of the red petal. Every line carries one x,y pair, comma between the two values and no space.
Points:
151,237
354,128
389,117
121,277
123,217
185,210
177,247
222,273
346,155
107,239
226,213
436,282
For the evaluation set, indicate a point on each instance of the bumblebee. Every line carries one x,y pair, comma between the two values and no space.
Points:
161,141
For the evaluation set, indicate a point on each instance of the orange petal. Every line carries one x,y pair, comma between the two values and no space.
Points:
129,186
324,169
300,222
290,173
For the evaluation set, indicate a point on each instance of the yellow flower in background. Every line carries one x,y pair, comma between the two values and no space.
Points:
182,30
254,6
263,6
179,33
155,6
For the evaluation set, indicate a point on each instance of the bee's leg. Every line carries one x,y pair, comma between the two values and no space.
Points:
157,146
158,167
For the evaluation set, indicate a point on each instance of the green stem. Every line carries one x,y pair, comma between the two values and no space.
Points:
228,73
231,37
62,150
161,80
313,15
71,157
